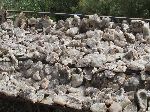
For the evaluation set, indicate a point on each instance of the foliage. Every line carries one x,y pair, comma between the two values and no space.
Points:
130,8
41,5
135,8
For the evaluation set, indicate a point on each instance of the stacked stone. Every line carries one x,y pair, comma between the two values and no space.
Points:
85,64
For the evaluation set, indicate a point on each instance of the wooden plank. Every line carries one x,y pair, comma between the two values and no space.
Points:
75,14
135,18
28,11
43,12
148,20
87,15
13,11
105,16
60,13
120,17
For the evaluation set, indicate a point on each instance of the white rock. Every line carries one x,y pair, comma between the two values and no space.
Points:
135,65
90,34
47,101
40,95
115,107
36,76
130,37
130,108
45,83
142,99
146,30
96,59
147,67
60,99
98,107
72,31
76,80
67,61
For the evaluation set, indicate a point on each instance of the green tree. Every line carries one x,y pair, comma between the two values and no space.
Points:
130,8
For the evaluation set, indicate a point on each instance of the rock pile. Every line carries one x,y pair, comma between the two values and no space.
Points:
88,64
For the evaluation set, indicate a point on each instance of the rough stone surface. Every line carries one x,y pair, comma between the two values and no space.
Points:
85,64
115,107
98,107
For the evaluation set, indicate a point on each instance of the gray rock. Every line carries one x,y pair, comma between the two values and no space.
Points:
131,83
32,21
96,59
38,66
98,107
84,62
77,63
52,58
130,37
28,64
48,69
40,95
137,26
60,99
32,97
147,67
109,74
136,65
142,99
130,108
76,80
72,31
146,30
48,101
115,107
36,76
121,78
44,83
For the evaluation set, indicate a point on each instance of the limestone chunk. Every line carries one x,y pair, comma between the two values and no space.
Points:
47,69
130,37
115,107
146,31
96,59
84,62
109,74
76,80
60,99
135,65
52,58
38,65
32,97
72,31
67,61
130,108
136,26
98,107
40,95
44,83
36,76
142,99
48,101
90,34
147,67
